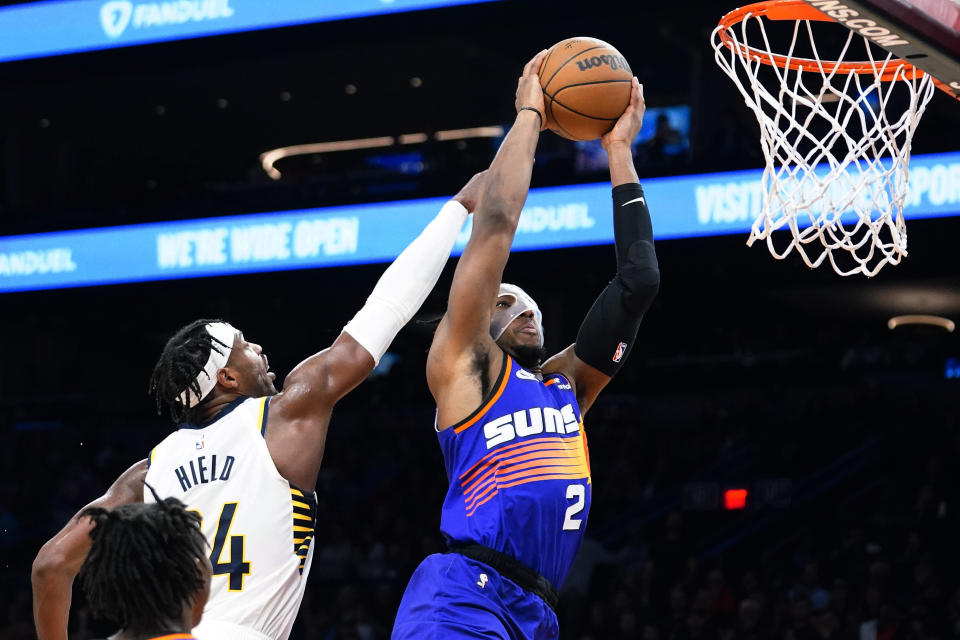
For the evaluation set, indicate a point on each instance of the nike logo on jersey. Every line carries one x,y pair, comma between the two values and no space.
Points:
530,422
523,374
640,199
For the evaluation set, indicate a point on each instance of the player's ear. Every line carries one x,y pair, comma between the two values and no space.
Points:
227,377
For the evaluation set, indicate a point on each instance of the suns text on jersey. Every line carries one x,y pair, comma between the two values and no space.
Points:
529,422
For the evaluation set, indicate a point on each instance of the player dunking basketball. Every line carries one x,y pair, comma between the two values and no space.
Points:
245,457
510,425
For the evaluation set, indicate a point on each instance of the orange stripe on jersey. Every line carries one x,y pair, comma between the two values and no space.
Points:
175,636
480,494
547,461
533,467
577,469
486,460
531,474
472,511
557,443
532,459
555,476
553,444
499,453
586,449
542,454
559,378
496,396
536,453
511,469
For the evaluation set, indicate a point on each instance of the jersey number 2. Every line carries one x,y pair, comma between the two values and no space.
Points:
574,492
236,566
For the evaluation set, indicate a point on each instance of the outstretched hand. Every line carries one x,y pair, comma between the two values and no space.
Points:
628,126
469,195
529,92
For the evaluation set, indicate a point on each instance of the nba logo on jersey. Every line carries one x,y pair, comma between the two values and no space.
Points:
618,354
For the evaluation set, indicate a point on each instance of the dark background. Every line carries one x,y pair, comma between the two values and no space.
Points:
749,372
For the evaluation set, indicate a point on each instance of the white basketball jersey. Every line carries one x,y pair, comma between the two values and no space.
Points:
259,528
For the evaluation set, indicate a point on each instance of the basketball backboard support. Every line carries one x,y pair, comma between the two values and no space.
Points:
926,33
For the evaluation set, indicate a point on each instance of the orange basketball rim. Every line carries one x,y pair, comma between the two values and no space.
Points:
798,10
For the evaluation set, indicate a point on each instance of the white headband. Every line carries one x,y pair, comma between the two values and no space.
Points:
522,303
207,378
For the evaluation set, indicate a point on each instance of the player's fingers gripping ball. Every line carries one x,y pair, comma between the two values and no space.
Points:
629,124
586,87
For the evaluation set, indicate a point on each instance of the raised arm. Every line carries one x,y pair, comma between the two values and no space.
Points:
298,418
60,559
462,344
609,330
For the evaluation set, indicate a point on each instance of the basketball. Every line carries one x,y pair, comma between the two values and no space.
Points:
586,87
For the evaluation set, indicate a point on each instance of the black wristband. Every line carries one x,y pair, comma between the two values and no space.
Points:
535,110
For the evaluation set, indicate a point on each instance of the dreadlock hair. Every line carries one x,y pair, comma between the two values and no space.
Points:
183,358
145,563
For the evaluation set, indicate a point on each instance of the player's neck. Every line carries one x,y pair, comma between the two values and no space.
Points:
530,358
208,412
536,370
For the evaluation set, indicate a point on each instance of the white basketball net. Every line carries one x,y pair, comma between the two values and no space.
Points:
836,158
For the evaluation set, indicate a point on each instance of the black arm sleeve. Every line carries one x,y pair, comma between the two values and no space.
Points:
609,330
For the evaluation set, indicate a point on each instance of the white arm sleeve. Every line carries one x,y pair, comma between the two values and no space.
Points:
406,283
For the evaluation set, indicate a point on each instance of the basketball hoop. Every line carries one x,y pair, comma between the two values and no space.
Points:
835,134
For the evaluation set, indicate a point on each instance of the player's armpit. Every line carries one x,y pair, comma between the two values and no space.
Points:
460,380
587,381
60,559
